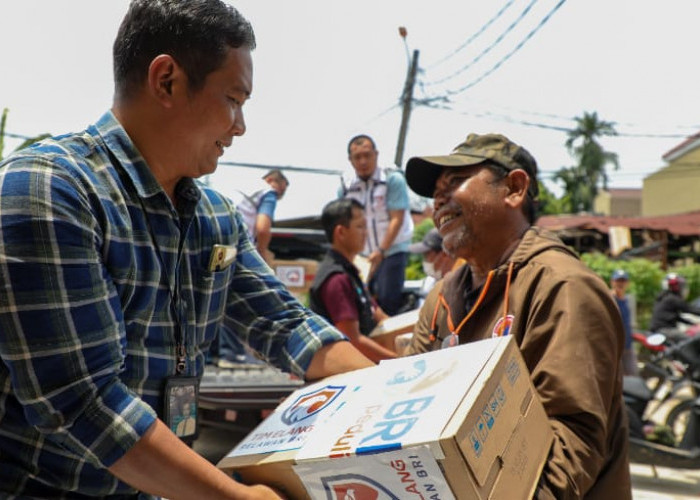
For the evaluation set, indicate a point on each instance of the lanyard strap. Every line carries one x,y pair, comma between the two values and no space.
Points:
173,292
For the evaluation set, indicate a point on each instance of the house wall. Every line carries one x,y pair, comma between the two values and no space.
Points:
607,203
675,188
626,207
601,203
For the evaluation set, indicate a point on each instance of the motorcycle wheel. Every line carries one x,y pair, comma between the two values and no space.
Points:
678,418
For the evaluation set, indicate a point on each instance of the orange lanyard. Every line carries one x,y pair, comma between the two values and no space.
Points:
450,324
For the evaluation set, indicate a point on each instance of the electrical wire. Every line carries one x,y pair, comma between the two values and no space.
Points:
474,36
488,49
290,168
17,136
511,53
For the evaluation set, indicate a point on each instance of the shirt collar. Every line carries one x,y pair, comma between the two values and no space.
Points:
130,160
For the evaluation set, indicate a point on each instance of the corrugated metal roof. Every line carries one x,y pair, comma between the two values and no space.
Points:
685,224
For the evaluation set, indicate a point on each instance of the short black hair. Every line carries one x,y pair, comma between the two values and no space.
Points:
338,212
276,174
196,33
361,138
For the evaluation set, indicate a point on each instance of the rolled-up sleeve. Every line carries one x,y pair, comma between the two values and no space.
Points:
266,315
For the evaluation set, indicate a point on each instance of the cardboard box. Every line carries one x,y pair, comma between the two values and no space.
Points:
461,423
297,275
386,332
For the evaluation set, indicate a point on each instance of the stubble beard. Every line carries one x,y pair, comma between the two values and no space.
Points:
456,242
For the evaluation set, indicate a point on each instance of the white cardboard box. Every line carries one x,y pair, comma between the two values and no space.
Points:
461,423
385,333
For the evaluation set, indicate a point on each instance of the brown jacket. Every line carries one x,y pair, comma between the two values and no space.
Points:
571,336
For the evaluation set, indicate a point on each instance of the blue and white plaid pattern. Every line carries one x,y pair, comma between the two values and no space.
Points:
87,313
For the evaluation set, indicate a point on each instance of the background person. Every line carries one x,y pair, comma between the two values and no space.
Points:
523,281
337,292
435,261
119,270
626,303
258,210
670,303
384,196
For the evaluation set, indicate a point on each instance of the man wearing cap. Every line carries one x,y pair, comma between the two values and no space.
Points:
523,281
619,281
436,262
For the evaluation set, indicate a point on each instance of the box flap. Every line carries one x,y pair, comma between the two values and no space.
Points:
499,407
288,427
525,454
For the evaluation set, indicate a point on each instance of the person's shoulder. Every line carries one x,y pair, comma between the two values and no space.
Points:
269,196
337,284
214,202
394,175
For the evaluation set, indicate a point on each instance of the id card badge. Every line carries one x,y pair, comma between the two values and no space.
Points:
180,405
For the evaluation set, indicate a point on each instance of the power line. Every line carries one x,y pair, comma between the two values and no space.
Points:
509,54
17,136
309,170
474,36
488,49
558,128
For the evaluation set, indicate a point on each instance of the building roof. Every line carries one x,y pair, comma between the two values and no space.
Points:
626,193
684,147
685,224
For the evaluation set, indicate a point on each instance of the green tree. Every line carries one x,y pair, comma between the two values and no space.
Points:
581,181
414,268
27,142
548,203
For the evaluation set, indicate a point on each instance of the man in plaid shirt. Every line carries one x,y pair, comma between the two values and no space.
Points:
118,270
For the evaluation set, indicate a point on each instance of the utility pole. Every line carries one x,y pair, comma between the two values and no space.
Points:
407,101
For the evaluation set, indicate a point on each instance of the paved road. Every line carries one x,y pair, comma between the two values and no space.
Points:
671,484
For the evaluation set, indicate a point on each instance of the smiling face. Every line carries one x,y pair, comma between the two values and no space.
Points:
469,210
207,120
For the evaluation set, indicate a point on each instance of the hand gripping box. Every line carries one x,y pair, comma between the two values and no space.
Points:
267,454
461,423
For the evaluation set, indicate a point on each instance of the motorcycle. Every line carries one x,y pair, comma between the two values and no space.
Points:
676,445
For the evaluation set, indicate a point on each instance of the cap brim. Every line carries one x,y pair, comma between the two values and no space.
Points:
422,172
419,247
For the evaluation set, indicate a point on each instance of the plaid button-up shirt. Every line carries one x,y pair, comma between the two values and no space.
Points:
97,270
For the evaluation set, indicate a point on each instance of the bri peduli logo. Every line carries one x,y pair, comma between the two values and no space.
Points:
414,371
502,327
311,403
355,487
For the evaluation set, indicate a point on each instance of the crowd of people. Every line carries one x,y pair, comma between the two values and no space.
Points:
120,272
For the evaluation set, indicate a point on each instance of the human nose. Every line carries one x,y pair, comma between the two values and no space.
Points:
440,193
239,126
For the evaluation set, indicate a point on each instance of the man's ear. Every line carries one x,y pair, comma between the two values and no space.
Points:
338,233
517,182
163,75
